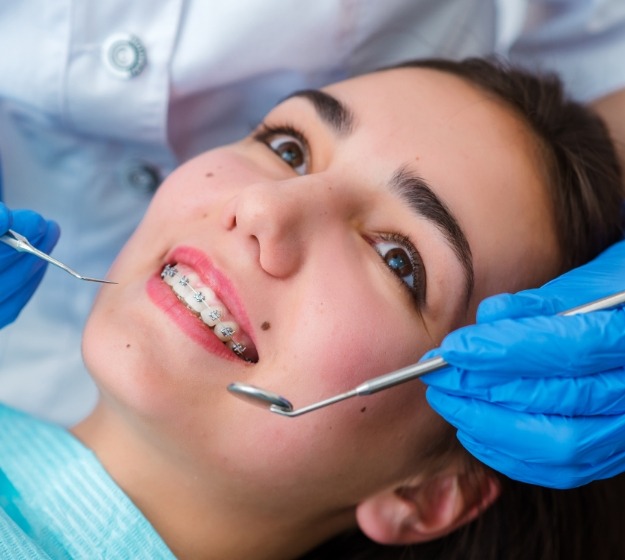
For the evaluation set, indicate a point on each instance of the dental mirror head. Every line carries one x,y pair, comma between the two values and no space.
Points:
260,397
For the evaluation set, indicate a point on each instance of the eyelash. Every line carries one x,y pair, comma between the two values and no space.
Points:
266,133
417,290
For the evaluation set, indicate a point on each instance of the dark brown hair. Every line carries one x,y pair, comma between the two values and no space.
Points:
585,181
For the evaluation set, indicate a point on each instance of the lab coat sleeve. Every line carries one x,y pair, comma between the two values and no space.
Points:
582,40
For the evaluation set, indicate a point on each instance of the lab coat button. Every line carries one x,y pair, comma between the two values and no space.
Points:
124,55
142,177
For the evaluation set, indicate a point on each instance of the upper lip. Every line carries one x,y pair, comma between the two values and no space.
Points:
216,280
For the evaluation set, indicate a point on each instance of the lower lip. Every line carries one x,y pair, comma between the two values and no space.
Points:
165,299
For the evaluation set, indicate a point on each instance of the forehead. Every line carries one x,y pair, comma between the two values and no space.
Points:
406,99
480,157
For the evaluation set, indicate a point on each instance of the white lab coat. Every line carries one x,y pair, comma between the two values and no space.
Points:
84,140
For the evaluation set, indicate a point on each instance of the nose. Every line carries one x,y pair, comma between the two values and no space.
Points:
279,219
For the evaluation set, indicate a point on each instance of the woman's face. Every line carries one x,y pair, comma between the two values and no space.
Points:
341,240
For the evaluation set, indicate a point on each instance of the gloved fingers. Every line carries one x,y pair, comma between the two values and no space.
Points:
572,448
17,295
589,395
42,233
18,272
535,347
5,219
21,273
544,474
498,428
523,304
599,278
51,237
20,276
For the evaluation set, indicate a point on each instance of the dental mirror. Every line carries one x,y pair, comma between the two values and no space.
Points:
259,397
280,405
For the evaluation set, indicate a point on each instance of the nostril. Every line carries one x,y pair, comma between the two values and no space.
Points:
229,216
230,222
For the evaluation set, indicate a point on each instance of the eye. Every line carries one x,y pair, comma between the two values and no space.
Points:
403,260
288,144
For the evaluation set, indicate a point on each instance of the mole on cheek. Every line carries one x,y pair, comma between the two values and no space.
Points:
127,345
209,174
266,325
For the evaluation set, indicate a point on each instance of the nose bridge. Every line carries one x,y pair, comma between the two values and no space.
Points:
283,217
308,192
294,202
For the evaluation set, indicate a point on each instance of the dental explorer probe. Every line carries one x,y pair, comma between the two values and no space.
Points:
21,244
280,405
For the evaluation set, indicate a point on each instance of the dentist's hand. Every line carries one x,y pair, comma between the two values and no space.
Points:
537,397
20,273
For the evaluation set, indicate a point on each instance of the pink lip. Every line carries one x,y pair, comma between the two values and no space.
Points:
165,299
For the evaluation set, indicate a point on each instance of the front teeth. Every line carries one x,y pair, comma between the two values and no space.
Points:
196,299
203,303
225,331
211,315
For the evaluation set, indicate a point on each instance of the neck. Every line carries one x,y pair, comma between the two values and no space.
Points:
198,516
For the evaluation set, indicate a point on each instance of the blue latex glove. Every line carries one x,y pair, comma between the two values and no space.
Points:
537,397
20,273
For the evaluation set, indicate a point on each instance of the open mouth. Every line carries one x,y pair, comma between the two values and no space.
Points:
202,301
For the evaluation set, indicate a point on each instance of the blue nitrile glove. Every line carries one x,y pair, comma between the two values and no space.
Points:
537,397
20,273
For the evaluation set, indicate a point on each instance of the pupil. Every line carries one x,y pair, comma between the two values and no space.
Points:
398,261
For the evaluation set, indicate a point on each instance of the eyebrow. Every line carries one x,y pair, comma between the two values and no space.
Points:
420,197
332,111
409,187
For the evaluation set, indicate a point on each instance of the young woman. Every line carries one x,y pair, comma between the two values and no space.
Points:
353,229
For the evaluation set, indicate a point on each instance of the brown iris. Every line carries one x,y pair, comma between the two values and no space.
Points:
398,261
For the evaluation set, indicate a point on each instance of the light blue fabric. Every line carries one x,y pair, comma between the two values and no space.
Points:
57,501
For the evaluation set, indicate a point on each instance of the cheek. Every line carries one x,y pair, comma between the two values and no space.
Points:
218,170
344,333
196,184
338,455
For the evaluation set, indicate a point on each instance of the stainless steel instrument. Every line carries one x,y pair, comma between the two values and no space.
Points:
20,243
280,405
